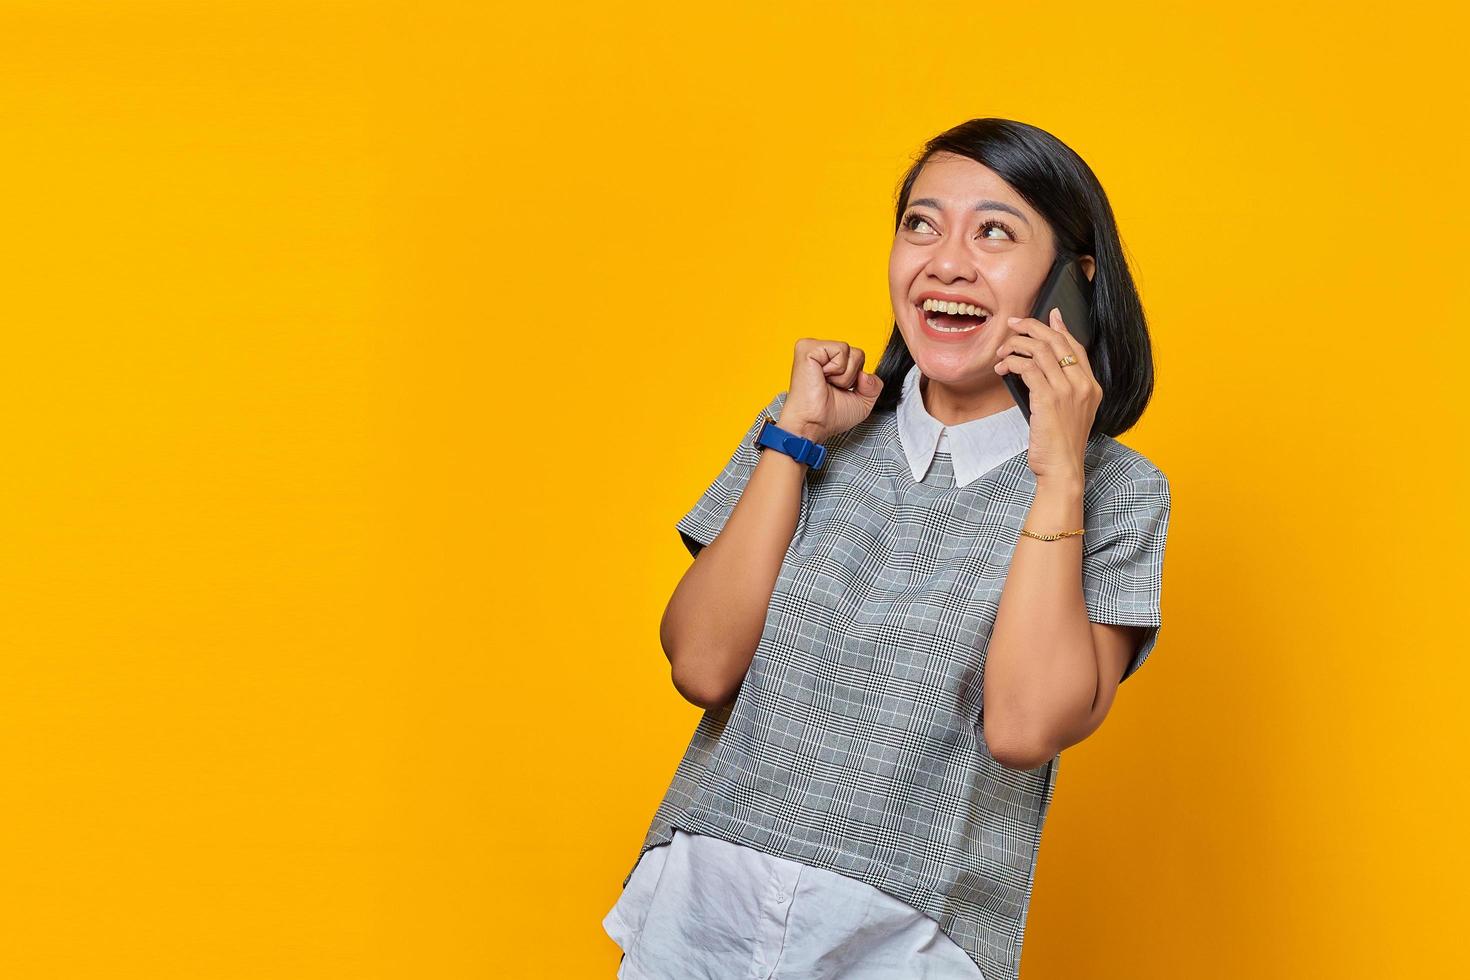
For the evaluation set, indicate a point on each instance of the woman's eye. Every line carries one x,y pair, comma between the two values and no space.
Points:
913,219
992,223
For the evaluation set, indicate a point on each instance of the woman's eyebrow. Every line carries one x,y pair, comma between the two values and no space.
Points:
987,205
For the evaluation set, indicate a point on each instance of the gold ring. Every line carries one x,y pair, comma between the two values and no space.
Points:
1067,361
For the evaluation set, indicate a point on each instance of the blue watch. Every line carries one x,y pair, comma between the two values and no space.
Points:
798,448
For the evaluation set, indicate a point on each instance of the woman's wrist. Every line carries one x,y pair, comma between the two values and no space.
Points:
1060,486
1057,506
1067,481
801,427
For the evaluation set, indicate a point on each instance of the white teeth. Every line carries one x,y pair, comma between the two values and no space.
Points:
935,326
953,308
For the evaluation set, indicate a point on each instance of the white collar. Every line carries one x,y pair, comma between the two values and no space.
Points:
976,447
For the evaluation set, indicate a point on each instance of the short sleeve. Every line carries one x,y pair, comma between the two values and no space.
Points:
1123,553
710,512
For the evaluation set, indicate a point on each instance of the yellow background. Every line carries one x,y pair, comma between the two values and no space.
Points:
359,359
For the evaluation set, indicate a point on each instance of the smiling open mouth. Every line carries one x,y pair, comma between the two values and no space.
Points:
940,318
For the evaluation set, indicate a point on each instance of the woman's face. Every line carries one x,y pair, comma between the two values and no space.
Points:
965,236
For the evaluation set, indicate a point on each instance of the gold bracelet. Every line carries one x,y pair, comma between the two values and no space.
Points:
1051,537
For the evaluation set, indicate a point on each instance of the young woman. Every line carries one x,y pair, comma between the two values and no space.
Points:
894,645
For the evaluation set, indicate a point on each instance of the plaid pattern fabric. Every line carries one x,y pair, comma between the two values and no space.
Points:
856,741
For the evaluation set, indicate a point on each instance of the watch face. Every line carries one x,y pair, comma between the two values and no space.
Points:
760,430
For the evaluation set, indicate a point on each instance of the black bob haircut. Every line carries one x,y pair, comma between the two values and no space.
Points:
1059,184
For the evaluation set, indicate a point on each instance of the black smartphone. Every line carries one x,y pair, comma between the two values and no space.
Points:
1066,288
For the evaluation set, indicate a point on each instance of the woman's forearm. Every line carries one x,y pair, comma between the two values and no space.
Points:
714,619
1040,667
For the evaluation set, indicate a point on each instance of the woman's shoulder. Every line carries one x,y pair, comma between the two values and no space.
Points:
1120,482
1109,460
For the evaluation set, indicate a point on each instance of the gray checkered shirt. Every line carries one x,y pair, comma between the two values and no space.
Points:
855,742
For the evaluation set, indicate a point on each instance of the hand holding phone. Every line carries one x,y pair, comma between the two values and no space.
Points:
1066,288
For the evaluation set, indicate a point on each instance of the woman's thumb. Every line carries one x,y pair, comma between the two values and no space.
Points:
869,385
814,372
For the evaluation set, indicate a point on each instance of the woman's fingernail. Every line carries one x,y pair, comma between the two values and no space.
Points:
1014,319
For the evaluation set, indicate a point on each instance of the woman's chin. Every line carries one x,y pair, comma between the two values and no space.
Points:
957,368
964,366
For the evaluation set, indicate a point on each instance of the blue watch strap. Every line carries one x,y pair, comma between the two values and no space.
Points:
798,448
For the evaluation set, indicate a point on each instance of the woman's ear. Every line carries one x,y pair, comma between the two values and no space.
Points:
1088,266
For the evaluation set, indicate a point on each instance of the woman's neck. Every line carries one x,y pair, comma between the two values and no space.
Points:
956,408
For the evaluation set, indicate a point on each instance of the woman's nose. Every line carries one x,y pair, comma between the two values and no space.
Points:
953,261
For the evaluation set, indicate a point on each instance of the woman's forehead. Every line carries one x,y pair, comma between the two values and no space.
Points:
959,182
